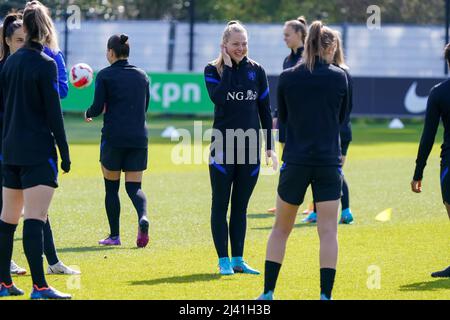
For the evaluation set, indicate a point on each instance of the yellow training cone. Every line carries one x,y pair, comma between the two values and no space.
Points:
384,216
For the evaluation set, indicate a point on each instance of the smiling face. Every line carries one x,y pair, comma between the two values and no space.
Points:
16,41
237,46
293,39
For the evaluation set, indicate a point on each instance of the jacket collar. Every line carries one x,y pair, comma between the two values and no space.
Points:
120,63
297,53
321,62
240,64
35,46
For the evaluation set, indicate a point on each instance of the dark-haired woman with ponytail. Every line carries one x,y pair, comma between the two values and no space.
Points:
295,32
122,93
312,101
33,124
239,89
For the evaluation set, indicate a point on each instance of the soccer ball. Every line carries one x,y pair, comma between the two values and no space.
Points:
81,75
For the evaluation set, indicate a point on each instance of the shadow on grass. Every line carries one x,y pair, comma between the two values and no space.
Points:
204,277
435,285
89,249
260,215
297,226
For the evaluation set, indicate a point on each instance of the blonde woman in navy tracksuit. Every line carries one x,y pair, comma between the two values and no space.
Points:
312,101
238,87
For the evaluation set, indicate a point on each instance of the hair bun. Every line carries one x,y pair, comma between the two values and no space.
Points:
232,22
10,18
302,19
123,38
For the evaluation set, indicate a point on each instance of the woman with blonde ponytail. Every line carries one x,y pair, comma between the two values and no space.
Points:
346,138
312,101
239,89
33,127
13,38
51,48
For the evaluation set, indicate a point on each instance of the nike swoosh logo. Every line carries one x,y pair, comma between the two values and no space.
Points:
413,102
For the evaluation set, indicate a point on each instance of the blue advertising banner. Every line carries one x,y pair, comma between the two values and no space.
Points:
385,97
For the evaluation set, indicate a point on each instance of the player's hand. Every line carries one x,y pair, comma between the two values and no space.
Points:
65,166
226,56
86,119
343,158
272,155
275,123
416,186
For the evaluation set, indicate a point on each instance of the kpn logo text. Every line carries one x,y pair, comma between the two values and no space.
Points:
170,93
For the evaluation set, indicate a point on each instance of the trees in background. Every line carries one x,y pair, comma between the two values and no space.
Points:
269,11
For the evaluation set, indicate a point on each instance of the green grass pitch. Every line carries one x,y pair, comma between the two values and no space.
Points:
391,260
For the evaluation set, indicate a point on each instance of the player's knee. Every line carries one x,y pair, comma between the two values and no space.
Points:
219,212
36,214
328,233
219,206
9,218
281,230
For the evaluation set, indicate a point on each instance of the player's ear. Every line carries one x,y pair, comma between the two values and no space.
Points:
110,54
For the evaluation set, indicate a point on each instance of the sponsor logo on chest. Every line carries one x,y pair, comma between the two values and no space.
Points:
250,95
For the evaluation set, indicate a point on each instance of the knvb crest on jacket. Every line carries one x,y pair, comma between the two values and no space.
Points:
252,75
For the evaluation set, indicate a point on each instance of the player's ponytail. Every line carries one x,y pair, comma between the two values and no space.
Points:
302,20
232,26
11,23
339,57
119,44
447,53
319,39
39,26
51,40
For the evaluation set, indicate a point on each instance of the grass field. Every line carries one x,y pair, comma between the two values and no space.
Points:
180,262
